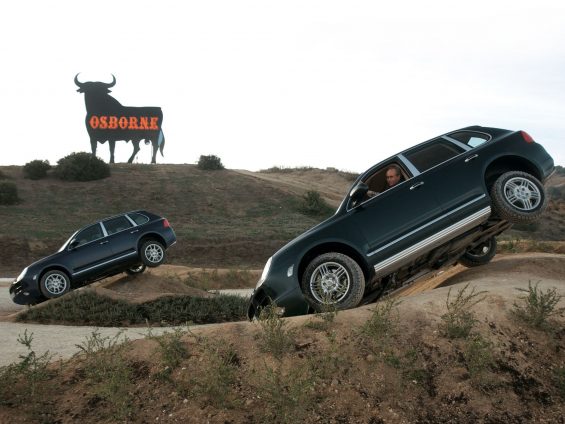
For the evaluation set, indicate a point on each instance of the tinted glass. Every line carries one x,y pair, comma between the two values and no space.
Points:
138,218
118,224
471,139
94,232
432,154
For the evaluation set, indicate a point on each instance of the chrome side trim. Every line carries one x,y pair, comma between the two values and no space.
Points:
476,199
104,263
408,165
433,241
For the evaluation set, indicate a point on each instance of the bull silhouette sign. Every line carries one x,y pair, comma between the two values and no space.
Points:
108,121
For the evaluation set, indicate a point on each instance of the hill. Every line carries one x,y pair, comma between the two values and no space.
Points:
223,219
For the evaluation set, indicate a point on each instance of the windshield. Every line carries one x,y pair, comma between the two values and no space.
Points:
64,246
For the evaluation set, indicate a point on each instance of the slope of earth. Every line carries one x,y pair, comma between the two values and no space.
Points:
365,366
221,218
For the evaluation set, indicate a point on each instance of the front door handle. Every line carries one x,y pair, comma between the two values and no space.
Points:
470,158
418,184
104,242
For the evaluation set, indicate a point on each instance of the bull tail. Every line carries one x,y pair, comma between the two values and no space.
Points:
161,142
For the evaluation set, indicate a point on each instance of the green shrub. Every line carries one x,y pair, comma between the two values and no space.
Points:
210,163
314,205
8,193
275,338
537,306
88,308
81,166
36,169
108,372
459,319
380,328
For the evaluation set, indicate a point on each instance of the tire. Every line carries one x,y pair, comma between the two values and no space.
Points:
333,279
135,270
518,197
54,284
152,253
479,255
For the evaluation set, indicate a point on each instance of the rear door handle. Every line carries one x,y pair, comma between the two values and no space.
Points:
104,242
418,184
470,158
134,231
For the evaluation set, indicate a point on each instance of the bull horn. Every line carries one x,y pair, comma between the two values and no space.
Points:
79,84
113,83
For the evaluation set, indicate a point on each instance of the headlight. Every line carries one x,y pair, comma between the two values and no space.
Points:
22,274
265,273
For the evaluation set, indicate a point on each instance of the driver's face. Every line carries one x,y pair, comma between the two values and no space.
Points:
392,178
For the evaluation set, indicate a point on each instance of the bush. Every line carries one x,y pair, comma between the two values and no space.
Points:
537,306
314,205
210,162
81,166
36,169
459,319
8,193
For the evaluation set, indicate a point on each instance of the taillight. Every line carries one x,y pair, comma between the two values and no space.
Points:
166,223
527,137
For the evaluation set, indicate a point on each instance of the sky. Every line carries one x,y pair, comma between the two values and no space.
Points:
325,83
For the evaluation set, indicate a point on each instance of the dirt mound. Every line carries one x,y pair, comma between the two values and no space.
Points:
507,372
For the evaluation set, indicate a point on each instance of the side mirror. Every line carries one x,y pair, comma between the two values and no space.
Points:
73,244
358,193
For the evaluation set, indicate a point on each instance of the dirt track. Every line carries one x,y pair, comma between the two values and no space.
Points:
500,278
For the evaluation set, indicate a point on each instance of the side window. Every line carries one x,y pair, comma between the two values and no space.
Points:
138,218
94,232
470,138
115,225
432,154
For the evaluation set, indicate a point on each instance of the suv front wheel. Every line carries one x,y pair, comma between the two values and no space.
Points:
518,197
333,280
54,283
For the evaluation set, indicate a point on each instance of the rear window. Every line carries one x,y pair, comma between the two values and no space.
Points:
432,154
138,218
470,138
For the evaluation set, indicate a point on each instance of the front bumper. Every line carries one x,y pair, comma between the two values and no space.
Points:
25,292
292,302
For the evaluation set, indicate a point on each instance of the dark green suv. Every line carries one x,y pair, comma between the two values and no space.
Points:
437,203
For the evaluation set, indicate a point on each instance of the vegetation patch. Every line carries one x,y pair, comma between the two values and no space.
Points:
210,163
313,204
537,306
36,169
213,279
27,383
81,166
89,308
108,373
8,193
459,319
275,338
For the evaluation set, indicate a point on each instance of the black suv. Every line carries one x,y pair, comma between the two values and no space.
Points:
454,194
123,243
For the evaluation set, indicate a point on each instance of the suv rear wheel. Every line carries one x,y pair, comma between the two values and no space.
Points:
152,253
518,197
54,283
479,255
333,279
